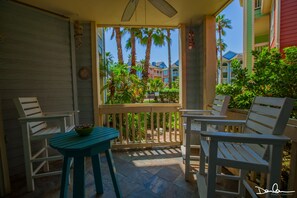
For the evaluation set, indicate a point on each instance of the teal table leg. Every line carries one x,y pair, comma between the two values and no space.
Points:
112,170
97,173
79,177
65,177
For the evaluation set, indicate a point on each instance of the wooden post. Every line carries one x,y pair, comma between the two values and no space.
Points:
95,73
210,66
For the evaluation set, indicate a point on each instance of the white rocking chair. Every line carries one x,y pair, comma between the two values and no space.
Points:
258,148
34,129
192,128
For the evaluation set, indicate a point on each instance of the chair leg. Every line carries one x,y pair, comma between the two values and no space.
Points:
202,162
45,144
188,153
212,170
28,156
241,187
275,166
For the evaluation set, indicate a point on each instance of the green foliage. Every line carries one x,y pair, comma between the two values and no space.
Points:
123,87
169,95
274,75
155,84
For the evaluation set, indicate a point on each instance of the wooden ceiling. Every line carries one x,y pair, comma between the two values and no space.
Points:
109,12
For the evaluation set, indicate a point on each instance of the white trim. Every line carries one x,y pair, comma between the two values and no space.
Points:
261,44
277,26
73,70
95,72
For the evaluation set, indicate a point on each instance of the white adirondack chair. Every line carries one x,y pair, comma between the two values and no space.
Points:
191,140
258,148
35,128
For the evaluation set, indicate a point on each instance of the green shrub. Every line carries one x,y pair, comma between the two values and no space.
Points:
169,95
274,75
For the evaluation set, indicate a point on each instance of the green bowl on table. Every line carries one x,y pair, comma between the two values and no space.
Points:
84,130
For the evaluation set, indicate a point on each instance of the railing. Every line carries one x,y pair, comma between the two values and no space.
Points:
291,132
260,46
143,125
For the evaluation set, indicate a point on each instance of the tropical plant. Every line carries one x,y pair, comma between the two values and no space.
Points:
169,56
175,84
221,24
131,44
273,75
155,84
151,36
123,87
105,63
117,33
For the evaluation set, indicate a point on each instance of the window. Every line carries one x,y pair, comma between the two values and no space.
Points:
258,4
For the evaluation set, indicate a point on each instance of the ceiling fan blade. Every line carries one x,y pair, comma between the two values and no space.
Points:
164,7
129,10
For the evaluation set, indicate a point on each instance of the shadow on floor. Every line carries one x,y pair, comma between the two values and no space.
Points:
141,173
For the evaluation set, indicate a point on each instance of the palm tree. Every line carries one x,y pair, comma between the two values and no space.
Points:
221,24
118,35
155,84
130,44
151,36
223,46
169,57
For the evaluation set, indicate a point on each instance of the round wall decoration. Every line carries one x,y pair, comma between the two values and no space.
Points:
84,73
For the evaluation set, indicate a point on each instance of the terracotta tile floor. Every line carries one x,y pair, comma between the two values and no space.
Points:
141,173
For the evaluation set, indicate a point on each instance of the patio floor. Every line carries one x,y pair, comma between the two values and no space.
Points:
155,172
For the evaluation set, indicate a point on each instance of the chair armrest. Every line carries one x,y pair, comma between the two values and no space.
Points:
195,111
43,118
60,112
203,117
221,122
245,137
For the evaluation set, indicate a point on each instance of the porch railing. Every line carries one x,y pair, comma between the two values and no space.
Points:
143,125
260,46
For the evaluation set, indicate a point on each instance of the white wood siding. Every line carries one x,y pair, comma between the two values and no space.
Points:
35,60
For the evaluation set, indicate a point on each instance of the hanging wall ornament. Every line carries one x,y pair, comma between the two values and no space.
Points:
78,33
191,41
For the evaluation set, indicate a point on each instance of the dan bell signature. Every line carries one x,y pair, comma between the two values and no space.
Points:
274,189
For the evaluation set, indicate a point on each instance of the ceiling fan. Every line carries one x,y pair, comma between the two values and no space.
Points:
162,5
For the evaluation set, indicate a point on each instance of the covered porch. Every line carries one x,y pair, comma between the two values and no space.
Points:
39,58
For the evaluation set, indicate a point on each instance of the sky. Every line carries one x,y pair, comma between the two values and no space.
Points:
233,39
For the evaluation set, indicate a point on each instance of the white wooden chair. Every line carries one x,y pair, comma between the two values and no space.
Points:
191,137
258,148
35,129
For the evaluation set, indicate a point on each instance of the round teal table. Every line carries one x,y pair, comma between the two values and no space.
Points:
78,147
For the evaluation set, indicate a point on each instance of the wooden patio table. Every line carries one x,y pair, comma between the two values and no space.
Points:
78,147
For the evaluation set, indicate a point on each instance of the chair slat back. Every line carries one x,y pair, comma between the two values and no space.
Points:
268,115
220,105
29,107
